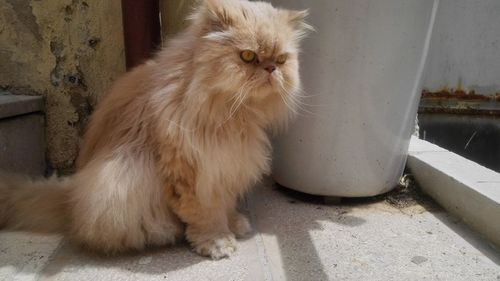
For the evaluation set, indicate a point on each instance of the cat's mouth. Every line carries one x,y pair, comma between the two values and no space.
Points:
268,83
270,80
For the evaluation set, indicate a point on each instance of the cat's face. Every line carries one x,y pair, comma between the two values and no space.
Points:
250,49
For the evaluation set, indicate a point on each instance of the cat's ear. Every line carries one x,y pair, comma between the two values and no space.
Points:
218,13
297,20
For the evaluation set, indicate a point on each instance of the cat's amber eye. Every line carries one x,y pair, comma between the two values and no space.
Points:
248,56
281,59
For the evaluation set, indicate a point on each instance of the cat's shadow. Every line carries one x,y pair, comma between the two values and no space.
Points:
154,261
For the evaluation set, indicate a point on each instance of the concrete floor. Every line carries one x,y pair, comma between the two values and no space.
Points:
402,236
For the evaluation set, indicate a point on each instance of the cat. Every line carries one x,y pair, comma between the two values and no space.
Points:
177,140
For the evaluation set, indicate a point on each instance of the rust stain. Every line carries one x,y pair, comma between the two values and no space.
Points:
458,101
460,111
459,94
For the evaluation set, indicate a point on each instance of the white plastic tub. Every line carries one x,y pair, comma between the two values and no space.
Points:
362,71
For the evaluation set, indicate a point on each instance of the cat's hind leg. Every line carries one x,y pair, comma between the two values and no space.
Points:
118,205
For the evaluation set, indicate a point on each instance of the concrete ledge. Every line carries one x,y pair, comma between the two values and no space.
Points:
13,105
22,134
297,237
465,188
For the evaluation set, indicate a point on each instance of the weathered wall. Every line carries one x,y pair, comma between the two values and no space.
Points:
66,50
465,47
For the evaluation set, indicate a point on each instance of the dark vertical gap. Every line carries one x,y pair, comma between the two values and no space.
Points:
142,31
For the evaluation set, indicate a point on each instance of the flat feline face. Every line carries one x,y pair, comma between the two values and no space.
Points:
251,48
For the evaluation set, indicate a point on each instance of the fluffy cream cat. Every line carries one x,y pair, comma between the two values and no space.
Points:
177,140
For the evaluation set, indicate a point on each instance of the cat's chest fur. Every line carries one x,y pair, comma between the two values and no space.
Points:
236,161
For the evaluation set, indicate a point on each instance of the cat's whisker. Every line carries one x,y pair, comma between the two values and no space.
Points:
236,103
284,99
295,101
300,92
239,99
300,103
289,103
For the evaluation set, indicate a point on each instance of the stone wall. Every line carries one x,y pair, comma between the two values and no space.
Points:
69,51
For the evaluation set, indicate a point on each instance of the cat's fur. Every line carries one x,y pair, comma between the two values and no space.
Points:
177,140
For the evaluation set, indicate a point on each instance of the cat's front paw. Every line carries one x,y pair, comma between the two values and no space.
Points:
240,225
217,248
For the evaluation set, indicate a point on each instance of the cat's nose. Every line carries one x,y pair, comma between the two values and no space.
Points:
270,68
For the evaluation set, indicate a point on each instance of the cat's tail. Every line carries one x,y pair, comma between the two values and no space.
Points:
34,205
